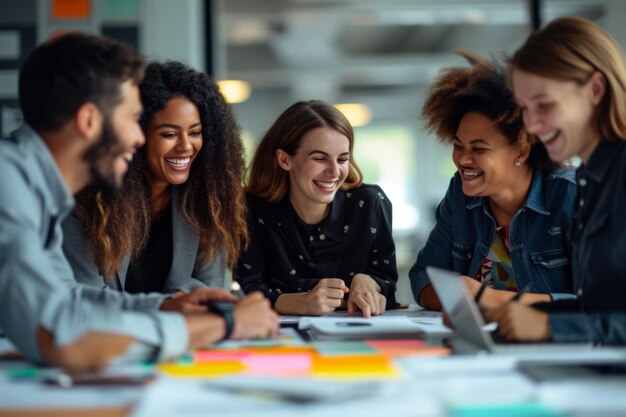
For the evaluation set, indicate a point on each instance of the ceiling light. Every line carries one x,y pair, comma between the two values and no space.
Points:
357,114
235,91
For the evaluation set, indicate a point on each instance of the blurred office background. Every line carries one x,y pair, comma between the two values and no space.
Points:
378,56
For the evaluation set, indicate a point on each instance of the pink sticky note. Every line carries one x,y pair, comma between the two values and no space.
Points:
219,355
273,365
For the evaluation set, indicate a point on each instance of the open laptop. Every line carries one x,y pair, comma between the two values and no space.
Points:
469,336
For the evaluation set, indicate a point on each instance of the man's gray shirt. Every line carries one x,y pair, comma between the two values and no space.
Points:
37,285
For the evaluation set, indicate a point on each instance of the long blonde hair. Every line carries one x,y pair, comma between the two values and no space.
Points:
573,49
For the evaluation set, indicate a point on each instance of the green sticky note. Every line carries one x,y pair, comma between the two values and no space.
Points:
331,348
24,373
120,8
509,410
186,359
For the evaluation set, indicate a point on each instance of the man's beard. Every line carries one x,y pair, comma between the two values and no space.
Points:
101,158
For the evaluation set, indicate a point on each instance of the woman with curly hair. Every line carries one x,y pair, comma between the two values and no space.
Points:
320,239
179,220
504,220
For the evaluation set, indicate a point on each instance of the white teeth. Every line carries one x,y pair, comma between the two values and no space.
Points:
329,185
548,137
178,161
467,173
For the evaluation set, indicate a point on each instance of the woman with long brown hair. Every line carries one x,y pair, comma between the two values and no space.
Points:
320,239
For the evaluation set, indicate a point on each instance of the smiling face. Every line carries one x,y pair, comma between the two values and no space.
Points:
119,138
559,113
173,140
485,158
317,170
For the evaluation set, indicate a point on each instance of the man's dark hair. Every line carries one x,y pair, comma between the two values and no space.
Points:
62,74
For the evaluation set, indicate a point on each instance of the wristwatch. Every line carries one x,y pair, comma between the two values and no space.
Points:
225,309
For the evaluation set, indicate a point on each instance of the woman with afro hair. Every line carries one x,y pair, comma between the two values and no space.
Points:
178,223
505,219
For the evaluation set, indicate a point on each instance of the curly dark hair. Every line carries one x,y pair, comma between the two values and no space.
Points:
482,88
212,200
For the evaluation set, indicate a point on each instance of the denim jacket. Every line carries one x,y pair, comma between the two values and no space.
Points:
539,236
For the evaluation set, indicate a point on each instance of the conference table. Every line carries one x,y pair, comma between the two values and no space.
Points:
299,375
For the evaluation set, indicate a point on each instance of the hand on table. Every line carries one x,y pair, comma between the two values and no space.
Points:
365,296
254,317
325,297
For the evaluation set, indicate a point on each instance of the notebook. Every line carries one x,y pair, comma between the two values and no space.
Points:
380,327
469,336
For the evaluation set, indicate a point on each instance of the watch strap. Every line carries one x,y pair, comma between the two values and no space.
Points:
226,310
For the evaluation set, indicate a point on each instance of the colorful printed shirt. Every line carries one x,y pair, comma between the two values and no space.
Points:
497,267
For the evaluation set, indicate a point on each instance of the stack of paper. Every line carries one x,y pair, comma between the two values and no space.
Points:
357,328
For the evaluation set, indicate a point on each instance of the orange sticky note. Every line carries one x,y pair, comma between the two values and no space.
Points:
354,367
70,9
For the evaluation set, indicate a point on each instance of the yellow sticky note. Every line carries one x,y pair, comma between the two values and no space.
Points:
202,370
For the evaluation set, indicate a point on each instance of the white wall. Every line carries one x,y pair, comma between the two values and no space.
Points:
173,29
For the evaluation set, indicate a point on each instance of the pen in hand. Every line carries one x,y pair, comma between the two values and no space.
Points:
519,293
482,288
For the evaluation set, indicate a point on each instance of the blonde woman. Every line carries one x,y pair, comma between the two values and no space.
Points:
570,79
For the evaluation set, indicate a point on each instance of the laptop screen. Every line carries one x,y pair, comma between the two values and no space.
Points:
460,307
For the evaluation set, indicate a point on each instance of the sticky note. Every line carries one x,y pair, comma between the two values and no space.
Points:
24,373
354,367
200,356
298,364
408,347
202,370
354,347
396,344
120,8
70,9
509,410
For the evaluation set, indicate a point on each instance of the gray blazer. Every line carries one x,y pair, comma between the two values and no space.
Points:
182,274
